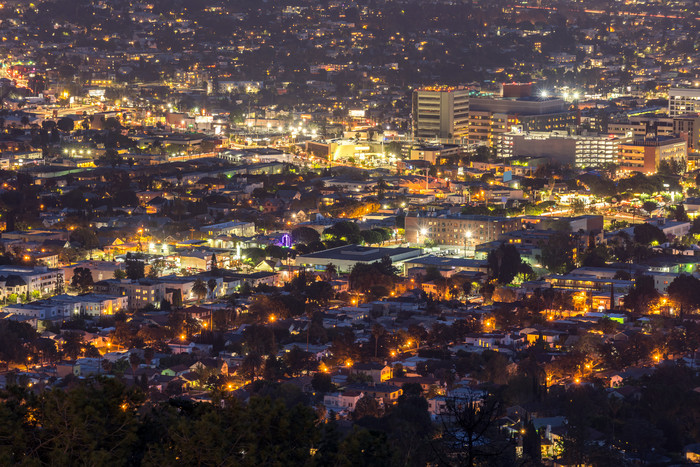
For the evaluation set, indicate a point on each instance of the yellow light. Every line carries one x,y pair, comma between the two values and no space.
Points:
348,363
183,337
577,380
272,318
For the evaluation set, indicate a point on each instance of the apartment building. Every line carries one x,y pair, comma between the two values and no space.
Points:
457,230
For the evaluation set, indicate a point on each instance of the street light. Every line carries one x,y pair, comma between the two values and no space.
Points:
467,237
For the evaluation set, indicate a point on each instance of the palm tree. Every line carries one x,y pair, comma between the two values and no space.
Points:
211,284
134,360
377,332
330,273
199,289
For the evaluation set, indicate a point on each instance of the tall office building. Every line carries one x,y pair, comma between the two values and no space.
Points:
683,101
440,112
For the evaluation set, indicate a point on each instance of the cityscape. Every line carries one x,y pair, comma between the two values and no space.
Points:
350,233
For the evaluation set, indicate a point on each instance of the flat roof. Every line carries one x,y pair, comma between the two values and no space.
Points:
448,262
359,253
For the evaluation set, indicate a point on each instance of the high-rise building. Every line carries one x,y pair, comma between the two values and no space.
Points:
645,155
683,101
440,112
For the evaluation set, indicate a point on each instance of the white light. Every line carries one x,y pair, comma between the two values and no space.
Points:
423,231
576,96
544,94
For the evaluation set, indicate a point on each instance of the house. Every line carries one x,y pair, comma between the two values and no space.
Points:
339,401
387,393
378,372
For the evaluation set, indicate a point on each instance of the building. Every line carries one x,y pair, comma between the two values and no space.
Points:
140,292
345,257
26,281
440,112
588,150
683,101
239,229
378,372
457,230
431,153
687,127
645,155
643,126
490,117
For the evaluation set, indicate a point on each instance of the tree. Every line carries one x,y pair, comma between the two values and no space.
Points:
211,285
82,279
504,263
330,272
134,361
647,234
366,406
72,344
678,213
177,298
685,291
532,444
558,253
377,332
199,289
119,274
320,292
135,268
470,432
649,206
321,382
305,235
66,124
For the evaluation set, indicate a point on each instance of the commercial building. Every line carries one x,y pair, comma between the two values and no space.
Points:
490,117
645,155
345,257
457,230
440,112
431,153
683,101
643,126
687,127
577,150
